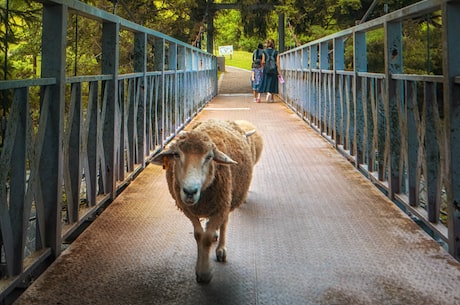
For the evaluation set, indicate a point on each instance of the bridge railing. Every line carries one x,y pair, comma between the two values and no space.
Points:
401,130
71,144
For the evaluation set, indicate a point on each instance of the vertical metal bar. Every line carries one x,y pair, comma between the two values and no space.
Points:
92,125
412,141
372,119
322,99
360,64
339,65
432,178
121,111
305,80
348,114
110,55
382,129
55,18
172,66
367,119
159,65
18,183
181,56
451,68
140,65
130,104
313,84
393,65
72,167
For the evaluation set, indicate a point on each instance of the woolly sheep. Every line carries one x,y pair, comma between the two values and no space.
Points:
209,171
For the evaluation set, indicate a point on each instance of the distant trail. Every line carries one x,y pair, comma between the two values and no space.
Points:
235,80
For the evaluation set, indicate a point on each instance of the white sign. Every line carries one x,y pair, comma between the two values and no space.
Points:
226,50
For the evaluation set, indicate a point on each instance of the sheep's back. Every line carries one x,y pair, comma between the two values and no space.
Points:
255,140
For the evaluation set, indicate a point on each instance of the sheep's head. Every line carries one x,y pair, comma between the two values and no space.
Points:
193,158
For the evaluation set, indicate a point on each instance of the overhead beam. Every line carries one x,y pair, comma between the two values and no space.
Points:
236,6
213,7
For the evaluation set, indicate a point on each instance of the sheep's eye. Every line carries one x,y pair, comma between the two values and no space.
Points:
208,158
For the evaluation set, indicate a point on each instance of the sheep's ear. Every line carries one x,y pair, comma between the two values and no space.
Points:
250,133
220,157
163,157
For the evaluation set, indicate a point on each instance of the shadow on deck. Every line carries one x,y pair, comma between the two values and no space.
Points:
313,231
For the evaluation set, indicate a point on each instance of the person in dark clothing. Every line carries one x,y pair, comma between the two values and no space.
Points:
270,62
257,55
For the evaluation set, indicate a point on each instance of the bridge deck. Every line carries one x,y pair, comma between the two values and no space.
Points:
313,231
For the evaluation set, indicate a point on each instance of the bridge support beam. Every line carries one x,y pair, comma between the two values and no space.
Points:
50,170
110,56
140,65
451,67
360,63
393,65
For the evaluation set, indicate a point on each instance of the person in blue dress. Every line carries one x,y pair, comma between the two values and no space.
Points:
269,84
256,78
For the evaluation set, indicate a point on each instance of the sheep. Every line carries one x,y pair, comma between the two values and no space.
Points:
209,171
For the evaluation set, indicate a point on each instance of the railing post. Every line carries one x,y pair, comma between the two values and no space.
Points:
360,64
432,154
322,100
15,225
55,18
159,65
172,66
140,65
181,58
393,65
412,112
339,65
305,87
451,67
110,55
313,50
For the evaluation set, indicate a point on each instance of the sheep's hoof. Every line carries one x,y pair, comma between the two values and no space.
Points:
221,255
203,278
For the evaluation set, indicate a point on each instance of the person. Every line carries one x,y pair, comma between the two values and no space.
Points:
256,78
269,84
257,55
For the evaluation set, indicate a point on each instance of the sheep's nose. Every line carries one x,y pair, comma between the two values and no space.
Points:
190,191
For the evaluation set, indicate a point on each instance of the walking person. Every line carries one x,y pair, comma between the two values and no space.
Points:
270,62
256,78
257,55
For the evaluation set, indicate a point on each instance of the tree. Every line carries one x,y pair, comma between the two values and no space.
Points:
18,19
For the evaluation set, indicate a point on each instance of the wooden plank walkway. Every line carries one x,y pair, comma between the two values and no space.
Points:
313,231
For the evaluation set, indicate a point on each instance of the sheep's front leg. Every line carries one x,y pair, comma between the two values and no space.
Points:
221,250
204,242
212,227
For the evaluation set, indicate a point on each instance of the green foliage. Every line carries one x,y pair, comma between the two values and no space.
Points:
255,16
422,43
227,27
182,19
19,33
240,59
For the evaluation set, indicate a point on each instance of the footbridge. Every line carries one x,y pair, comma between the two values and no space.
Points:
354,200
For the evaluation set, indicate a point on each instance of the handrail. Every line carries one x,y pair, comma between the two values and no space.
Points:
400,130
72,143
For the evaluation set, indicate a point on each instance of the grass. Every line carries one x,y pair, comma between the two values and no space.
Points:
240,59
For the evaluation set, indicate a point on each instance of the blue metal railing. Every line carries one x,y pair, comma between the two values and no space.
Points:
401,130
72,143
